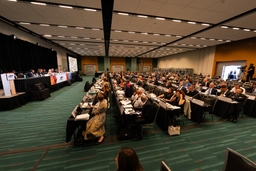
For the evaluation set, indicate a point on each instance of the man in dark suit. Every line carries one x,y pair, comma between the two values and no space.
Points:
181,87
211,90
250,72
253,90
192,92
147,116
224,91
240,98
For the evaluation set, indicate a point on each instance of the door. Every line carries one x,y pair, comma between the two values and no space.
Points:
89,69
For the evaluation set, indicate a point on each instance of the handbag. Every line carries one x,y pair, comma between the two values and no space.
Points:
174,130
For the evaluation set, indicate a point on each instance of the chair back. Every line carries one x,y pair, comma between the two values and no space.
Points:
156,107
236,161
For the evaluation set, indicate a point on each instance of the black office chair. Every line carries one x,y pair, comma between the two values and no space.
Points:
235,161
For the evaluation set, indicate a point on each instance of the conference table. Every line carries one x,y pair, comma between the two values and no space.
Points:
224,107
250,106
198,109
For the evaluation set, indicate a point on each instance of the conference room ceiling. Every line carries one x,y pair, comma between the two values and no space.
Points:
134,28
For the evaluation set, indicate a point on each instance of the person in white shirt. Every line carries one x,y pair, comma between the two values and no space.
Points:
136,98
211,90
233,90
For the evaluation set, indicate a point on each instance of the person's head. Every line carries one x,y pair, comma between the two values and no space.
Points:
170,90
144,98
100,97
224,88
191,88
211,85
181,83
179,92
205,80
127,160
139,91
254,85
237,86
239,91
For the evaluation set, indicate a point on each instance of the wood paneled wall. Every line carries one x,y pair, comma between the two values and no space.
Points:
89,61
117,61
236,51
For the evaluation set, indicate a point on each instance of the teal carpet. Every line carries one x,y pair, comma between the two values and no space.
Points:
32,137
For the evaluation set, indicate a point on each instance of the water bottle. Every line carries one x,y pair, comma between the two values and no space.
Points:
25,77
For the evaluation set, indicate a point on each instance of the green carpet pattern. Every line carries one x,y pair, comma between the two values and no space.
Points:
32,137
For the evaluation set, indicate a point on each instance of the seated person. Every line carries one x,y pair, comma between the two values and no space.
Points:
181,86
224,91
237,86
240,98
127,89
186,83
253,90
192,92
178,99
167,95
106,90
95,126
31,73
127,160
211,90
147,116
136,98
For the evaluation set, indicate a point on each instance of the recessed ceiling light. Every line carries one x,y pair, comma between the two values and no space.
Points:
132,32
254,31
178,21
115,40
38,3
202,38
144,33
74,37
167,35
47,35
224,26
159,18
220,40
191,22
211,39
88,9
236,28
205,24
156,34
142,16
95,29
64,6
86,38
118,31
193,38
24,23
79,28
247,30
61,36
228,40
120,13
63,26
178,36
44,24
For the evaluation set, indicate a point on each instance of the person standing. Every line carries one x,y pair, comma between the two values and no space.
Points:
250,72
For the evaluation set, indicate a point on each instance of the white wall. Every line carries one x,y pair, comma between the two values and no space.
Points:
20,34
200,60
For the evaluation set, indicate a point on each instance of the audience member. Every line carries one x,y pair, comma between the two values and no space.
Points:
237,86
178,99
136,98
31,73
224,91
240,98
192,92
211,90
147,115
167,95
127,160
95,126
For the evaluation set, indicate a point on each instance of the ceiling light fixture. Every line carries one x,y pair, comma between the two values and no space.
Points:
247,30
38,3
24,23
193,38
167,35
74,37
79,28
132,32
63,26
177,21
144,33
12,0
88,9
191,22
45,25
156,34
211,39
205,24
95,29
159,18
142,16
64,6
236,28
86,38
120,13
178,36
47,35
224,26
61,36
118,31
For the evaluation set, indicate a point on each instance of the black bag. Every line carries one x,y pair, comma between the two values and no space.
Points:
125,133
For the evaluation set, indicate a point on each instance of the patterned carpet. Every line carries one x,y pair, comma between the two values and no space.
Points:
32,137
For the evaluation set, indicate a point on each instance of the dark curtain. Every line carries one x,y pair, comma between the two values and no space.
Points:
19,55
